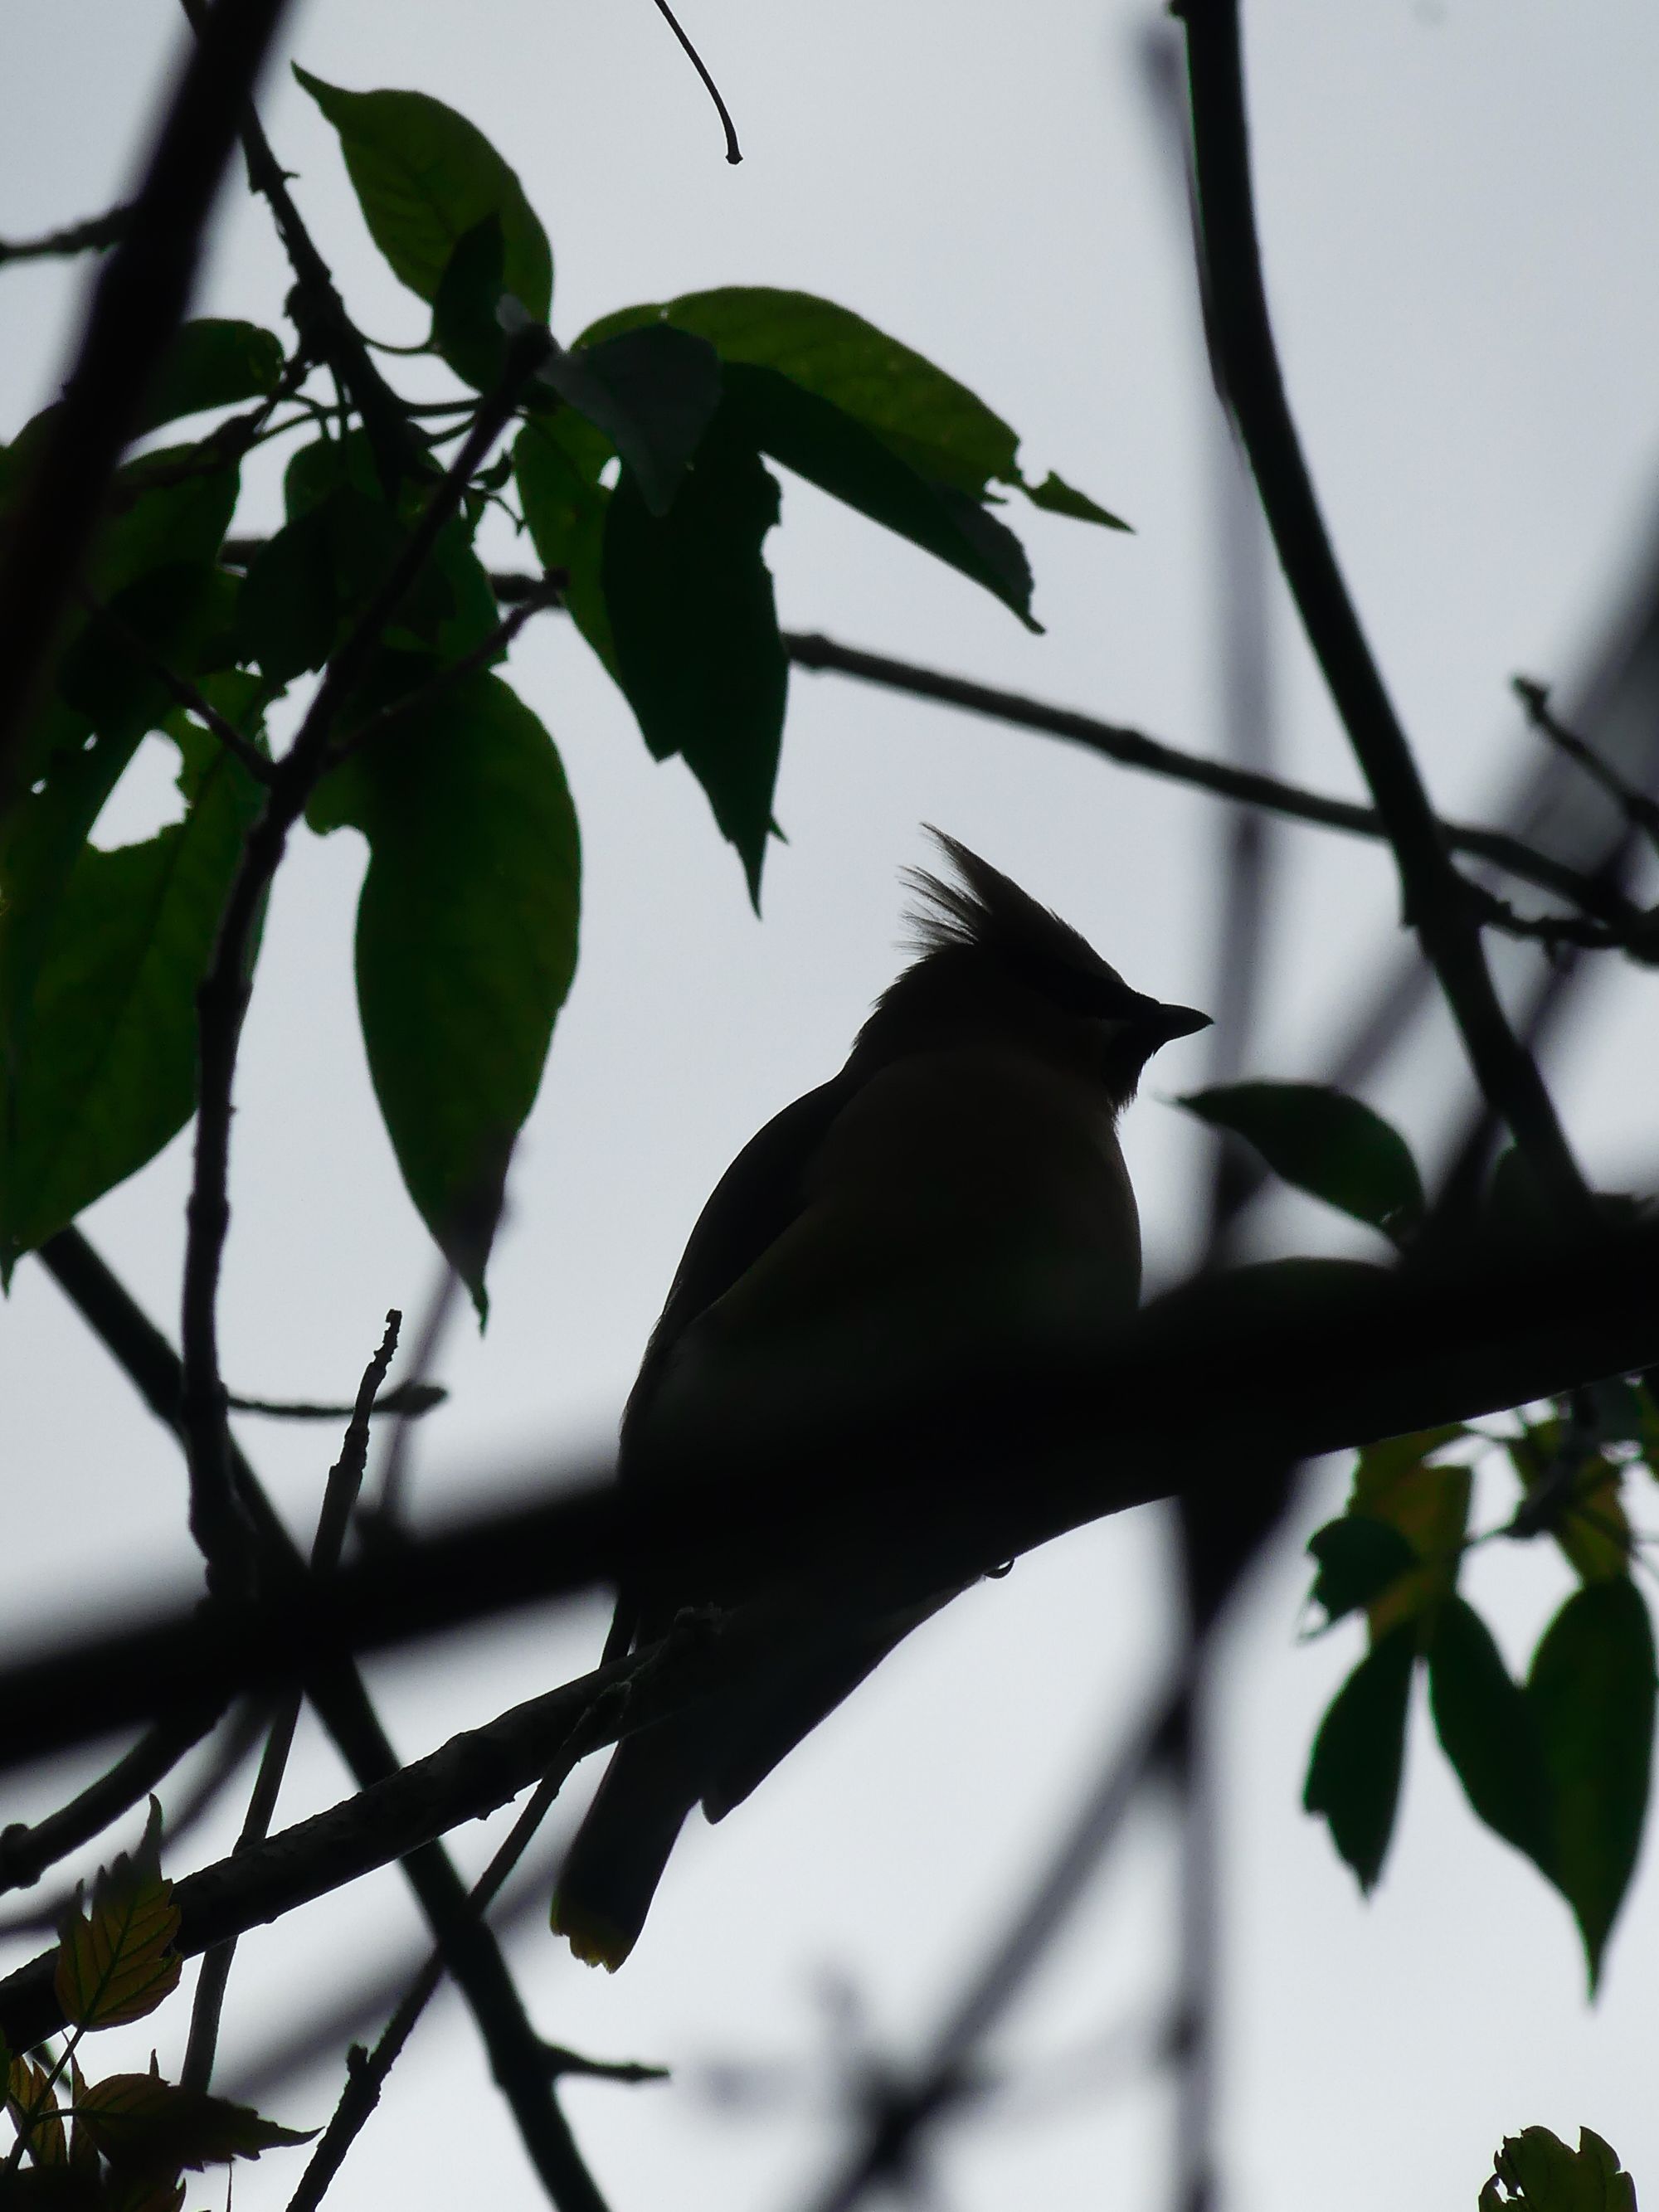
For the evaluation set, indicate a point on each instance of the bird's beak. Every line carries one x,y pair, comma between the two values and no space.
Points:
1168,1022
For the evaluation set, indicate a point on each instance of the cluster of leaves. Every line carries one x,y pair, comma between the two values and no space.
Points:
1536,2172
643,474
124,2142
1556,1764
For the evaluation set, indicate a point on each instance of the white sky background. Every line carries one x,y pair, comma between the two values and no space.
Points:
1457,204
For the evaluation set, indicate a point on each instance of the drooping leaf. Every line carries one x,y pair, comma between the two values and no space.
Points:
694,629
144,2125
1536,2171
833,450
1325,1143
115,1960
1488,1729
1358,1754
466,941
1591,1689
653,393
424,177
556,461
103,1072
212,363
1357,1559
945,432
1399,1481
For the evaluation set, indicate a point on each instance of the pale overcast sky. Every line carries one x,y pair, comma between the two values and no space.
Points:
1456,198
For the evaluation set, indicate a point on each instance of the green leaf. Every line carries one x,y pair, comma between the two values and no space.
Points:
109,670
1581,1504
35,2112
1357,1559
833,450
160,526
1591,1688
467,326
653,393
115,1957
1324,1143
466,941
424,177
143,2123
1058,497
695,629
1536,2171
1397,1481
1488,1729
1354,1775
101,1031
212,363
942,430
556,461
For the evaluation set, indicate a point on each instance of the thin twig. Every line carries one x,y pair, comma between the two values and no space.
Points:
733,152
27,1852
186,694
481,655
142,292
339,1497
336,1690
408,1400
91,236
217,1521
1434,903
366,2071
1637,809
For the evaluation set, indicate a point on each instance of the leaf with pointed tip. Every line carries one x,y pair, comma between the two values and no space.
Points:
424,177
1489,1730
466,941
558,460
1592,1690
1358,1754
1359,1559
115,1956
695,629
1056,496
1536,2171
1323,1142
144,2124
35,2112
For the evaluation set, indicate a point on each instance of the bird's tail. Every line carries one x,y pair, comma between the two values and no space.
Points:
613,1867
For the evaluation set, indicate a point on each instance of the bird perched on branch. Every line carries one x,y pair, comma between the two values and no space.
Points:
957,1188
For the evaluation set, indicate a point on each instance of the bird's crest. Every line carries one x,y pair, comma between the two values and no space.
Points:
988,912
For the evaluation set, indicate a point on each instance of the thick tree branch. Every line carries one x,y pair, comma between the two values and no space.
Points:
142,293
934,1486
1433,898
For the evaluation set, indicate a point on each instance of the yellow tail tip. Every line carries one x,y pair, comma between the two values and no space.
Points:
593,1938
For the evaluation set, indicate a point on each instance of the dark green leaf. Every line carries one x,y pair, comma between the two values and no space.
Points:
102,1072
695,632
289,610
466,941
835,451
1488,1730
160,526
424,176
1574,1494
653,393
1357,1559
1397,1480
1537,2173
557,462
212,363
1059,497
1354,1775
115,1956
109,669
466,328
1591,1687
143,2123
1326,1144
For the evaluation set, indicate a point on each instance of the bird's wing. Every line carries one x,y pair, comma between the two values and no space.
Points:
758,1197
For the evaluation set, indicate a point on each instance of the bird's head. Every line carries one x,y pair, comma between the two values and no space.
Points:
995,966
